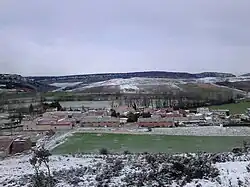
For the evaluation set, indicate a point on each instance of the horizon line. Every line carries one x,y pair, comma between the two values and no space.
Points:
104,73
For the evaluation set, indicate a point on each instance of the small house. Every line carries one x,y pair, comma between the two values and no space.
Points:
10,145
221,112
203,110
21,144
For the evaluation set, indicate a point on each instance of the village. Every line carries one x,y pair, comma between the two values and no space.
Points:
120,118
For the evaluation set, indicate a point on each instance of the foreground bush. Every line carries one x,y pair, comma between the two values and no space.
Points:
134,170
164,169
103,151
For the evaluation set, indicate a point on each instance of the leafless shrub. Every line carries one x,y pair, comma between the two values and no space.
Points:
41,179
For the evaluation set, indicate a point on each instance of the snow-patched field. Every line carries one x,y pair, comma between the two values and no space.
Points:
133,83
13,169
140,83
64,84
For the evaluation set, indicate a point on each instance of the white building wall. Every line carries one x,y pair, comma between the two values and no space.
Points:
203,110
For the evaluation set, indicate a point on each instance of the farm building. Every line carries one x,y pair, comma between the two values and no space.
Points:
21,144
198,116
10,145
154,122
61,124
45,124
221,112
100,121
203,110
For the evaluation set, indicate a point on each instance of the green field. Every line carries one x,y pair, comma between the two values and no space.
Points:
235,108
117,143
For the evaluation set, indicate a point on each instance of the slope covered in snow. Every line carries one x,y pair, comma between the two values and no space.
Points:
133,84
137,84
122,170
64,84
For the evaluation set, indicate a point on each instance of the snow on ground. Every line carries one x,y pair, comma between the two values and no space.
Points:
236,79
231,173
204,131
219,79
54,141
190,131
128,87
133,83
209,80
15,168
64,84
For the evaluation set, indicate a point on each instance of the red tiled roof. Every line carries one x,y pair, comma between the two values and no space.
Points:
155,124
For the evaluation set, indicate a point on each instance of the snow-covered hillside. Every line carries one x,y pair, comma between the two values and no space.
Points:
65,84
137,84
133,84
62,85
89,170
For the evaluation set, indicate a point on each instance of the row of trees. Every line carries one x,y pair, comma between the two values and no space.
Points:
181,103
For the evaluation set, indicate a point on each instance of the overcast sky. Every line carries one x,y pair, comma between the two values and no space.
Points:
58,37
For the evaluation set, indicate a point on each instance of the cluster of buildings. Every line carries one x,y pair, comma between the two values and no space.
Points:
170,118
165,117
58,120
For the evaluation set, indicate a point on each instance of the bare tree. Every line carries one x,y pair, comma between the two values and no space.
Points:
41,156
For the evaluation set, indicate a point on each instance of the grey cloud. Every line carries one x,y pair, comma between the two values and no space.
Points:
67,37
